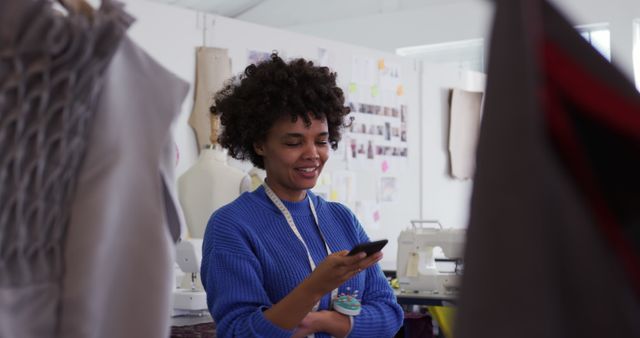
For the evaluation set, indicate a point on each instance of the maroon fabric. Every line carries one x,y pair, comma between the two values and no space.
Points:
580,108
416,325
204,330
533,208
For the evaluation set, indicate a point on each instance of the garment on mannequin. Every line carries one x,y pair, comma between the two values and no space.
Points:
51,74
209,184
213,66
119,248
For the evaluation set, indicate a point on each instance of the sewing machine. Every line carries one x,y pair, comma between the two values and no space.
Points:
191,299
430,258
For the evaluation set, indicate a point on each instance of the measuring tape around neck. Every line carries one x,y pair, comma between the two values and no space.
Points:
287,215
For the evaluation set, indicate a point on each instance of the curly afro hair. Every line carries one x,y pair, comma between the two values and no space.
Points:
251,102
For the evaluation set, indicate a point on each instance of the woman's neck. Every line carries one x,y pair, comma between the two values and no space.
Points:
286,194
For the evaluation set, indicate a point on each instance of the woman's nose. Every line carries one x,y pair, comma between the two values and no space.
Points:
311,151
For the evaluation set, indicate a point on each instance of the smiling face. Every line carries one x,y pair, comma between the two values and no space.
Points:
294,156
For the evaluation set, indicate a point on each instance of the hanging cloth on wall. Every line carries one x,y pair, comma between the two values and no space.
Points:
213,67
51,69
464,126
552,245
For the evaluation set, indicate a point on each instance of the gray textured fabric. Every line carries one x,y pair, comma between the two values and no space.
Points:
51,67
536,264
119,252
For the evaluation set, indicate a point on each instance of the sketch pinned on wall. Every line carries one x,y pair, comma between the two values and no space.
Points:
323,57
343,187
256,56
388,189
363,71
389,76
337,186
384,166
368,212
323,185
377,136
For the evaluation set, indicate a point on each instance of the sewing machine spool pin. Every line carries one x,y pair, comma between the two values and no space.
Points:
421,222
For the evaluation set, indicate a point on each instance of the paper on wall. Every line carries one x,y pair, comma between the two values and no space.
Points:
368,212
388,189
343,184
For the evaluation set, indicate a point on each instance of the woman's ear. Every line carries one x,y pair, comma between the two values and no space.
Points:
258,148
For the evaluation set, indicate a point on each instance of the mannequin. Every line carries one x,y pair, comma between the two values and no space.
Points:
213,66
257,177
209,184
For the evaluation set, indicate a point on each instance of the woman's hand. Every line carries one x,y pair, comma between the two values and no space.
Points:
338,268
336,324
308,325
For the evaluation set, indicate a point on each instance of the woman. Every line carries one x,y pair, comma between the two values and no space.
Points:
273,258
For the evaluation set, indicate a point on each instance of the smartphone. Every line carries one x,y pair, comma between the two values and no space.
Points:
370,247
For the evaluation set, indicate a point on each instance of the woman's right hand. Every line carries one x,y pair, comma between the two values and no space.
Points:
338,268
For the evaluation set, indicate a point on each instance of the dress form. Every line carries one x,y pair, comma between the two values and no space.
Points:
209,184
213,67
257,177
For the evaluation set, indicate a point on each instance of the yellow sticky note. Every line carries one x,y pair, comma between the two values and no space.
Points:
333,196
381,64
374,91
400,90
352,87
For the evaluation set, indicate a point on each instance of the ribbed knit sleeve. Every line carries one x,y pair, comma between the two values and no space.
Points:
234,281
381,316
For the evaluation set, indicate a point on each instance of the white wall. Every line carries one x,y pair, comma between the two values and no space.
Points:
443,198
464,20
170,35
439,22
238,37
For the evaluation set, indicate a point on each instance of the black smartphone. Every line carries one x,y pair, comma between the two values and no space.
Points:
370,247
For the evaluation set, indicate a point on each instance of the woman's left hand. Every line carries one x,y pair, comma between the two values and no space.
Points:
336,269
308,325
334,323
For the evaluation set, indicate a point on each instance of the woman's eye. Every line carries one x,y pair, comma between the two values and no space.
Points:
292,144
322,143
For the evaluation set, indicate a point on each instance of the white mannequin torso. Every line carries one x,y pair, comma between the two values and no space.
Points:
257,177
208,185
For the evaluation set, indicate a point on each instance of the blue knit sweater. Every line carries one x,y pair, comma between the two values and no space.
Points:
251,260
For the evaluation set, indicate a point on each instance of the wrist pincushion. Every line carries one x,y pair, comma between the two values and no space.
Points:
347,304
